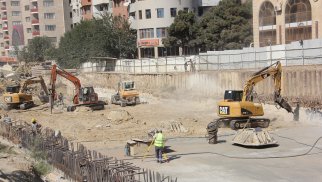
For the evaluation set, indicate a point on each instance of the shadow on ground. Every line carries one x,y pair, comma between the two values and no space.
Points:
19,176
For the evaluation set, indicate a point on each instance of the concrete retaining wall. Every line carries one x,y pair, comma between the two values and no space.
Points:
304,82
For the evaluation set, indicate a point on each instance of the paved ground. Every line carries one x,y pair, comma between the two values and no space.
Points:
195,160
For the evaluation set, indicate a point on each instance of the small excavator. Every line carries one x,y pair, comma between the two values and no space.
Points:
238,110
17,96
84,96
126,94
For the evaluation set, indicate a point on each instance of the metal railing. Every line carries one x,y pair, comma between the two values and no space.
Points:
237,59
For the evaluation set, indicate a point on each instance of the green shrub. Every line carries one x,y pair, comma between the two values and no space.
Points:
42,168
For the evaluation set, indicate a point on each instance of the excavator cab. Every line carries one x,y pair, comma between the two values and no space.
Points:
13,89
233,95
88,95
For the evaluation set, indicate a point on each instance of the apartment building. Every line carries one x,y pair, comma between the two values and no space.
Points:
76,11
120,8
23,20
286,21
95,8
152,17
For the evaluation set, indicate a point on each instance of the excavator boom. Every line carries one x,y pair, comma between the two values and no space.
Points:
274,70
56,71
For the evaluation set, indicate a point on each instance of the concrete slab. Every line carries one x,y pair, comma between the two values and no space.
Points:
193,159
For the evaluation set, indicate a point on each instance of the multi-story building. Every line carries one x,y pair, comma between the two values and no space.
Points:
95,8
23,20
151,19
120,8
76,11
285,21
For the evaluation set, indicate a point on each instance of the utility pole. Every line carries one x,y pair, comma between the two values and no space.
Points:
301,43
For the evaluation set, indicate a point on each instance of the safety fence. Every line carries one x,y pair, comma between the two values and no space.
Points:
247,58
77,162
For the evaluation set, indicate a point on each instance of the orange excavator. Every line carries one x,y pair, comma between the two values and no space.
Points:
84,96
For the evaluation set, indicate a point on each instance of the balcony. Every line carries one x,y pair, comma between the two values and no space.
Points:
33,0
4,19
6,37
34,22
5,28
3,8
36,33
6,47
34,10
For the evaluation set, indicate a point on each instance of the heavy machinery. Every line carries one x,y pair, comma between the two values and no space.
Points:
239,111
17,96
84,96
126,94
238,107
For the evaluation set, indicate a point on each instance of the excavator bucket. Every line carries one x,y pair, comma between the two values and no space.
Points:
253,137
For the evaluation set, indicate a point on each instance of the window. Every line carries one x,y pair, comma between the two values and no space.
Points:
15,3
2,44
173,12
140,14
27,19
27,8
148,14
160,13
16,23
132,14
146,33
49,15
28,30
161,32
186,10
48,3
50,27
15,13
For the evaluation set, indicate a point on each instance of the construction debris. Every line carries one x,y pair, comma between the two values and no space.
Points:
253,137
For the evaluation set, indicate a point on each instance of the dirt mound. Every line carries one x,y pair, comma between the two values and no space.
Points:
119,116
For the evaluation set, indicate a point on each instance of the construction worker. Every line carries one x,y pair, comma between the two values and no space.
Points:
35,127
159,140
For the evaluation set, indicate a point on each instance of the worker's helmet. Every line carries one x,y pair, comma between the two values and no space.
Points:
33,120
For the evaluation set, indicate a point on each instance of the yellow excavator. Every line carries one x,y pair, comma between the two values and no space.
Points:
17,96
238,107
126,94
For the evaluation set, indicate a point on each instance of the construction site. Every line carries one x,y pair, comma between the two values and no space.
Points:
98,126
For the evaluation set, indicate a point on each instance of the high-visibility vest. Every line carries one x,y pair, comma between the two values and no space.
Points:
158,142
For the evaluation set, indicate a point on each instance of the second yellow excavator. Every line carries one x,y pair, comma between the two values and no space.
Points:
17,96
238,107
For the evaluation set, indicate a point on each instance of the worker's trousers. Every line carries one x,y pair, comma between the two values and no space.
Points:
158,153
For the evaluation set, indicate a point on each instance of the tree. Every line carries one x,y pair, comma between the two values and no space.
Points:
183,31
107,36
37,50
226,26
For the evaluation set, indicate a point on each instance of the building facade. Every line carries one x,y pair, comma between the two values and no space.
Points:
120,8
23,20
151,18
286,21
76,11
95,8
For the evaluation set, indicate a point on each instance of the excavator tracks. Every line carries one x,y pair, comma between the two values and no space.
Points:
239,123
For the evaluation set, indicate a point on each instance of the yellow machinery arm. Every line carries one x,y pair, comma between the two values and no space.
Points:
31,81
274,70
